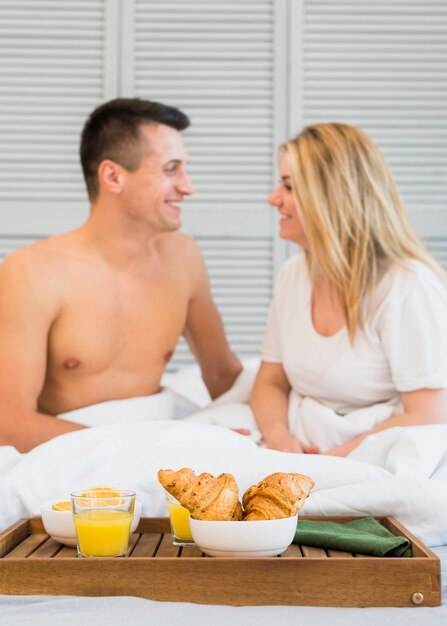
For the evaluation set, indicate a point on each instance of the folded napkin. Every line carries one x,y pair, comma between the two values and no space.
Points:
364,536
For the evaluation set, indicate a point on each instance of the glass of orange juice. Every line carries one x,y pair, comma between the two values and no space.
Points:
102,520
179,518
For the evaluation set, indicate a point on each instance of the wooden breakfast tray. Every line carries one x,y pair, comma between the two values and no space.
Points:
33,563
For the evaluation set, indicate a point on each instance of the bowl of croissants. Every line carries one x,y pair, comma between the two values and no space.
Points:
218,518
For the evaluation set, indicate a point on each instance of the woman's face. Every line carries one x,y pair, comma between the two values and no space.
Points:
290,226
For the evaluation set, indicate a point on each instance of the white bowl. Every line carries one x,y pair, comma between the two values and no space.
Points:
60,526
244,539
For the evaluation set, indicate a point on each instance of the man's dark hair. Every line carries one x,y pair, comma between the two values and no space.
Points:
113,131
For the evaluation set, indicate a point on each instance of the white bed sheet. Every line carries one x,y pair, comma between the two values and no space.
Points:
397,472
400,471
115,611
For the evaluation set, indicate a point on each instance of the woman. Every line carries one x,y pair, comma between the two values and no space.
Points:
358,323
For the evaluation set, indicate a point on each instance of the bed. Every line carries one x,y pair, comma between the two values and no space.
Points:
399,472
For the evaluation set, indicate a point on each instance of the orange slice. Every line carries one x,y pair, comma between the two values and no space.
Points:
101,492
107,494
62,505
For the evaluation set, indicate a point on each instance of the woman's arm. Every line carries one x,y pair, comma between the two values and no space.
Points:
421,407
269,403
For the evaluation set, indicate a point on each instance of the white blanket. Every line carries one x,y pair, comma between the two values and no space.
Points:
400,471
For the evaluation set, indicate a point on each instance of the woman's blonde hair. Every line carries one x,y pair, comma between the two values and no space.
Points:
353,217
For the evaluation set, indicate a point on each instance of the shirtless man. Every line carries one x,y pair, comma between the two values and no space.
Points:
95,314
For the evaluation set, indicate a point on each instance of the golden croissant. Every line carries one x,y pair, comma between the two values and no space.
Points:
205,497
276,496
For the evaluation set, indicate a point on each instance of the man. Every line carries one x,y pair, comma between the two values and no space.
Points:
95,314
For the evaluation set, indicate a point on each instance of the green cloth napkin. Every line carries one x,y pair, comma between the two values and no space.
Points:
365,536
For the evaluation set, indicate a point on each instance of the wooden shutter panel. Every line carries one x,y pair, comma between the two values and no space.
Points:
382,66
54,71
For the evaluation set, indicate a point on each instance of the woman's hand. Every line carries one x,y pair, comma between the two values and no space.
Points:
242,431
345,448
270,403
280,439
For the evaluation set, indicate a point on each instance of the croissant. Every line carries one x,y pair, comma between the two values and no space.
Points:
179,484
276,496
205,497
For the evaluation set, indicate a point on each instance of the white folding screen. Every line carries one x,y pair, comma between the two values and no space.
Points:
53,70
381,65
249,74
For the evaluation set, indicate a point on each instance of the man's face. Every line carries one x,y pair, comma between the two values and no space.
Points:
153,192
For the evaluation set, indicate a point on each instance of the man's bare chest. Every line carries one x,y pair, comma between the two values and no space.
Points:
101,328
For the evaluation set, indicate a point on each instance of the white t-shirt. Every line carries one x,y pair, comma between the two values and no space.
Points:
402,347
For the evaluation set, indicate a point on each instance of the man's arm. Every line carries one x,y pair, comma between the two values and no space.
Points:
421,407
204,331
27,310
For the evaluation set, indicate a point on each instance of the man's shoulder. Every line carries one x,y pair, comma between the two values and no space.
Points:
37,259
175,245
29,282
180,259
22,260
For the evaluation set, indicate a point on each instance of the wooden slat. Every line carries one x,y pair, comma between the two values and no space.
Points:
13,535
357,555
339,554
147,545
292,552
47,550
167,548
311,551
133,540
191,552
66,553
27,546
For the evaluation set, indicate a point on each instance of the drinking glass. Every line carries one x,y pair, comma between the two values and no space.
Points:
179,517
102,522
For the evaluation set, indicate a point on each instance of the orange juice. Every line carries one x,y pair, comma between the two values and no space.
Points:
179,520
103,532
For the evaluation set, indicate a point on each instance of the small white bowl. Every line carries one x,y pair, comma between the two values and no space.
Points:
60,526
244,539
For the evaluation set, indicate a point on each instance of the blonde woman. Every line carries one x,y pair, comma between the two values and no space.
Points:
358,324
